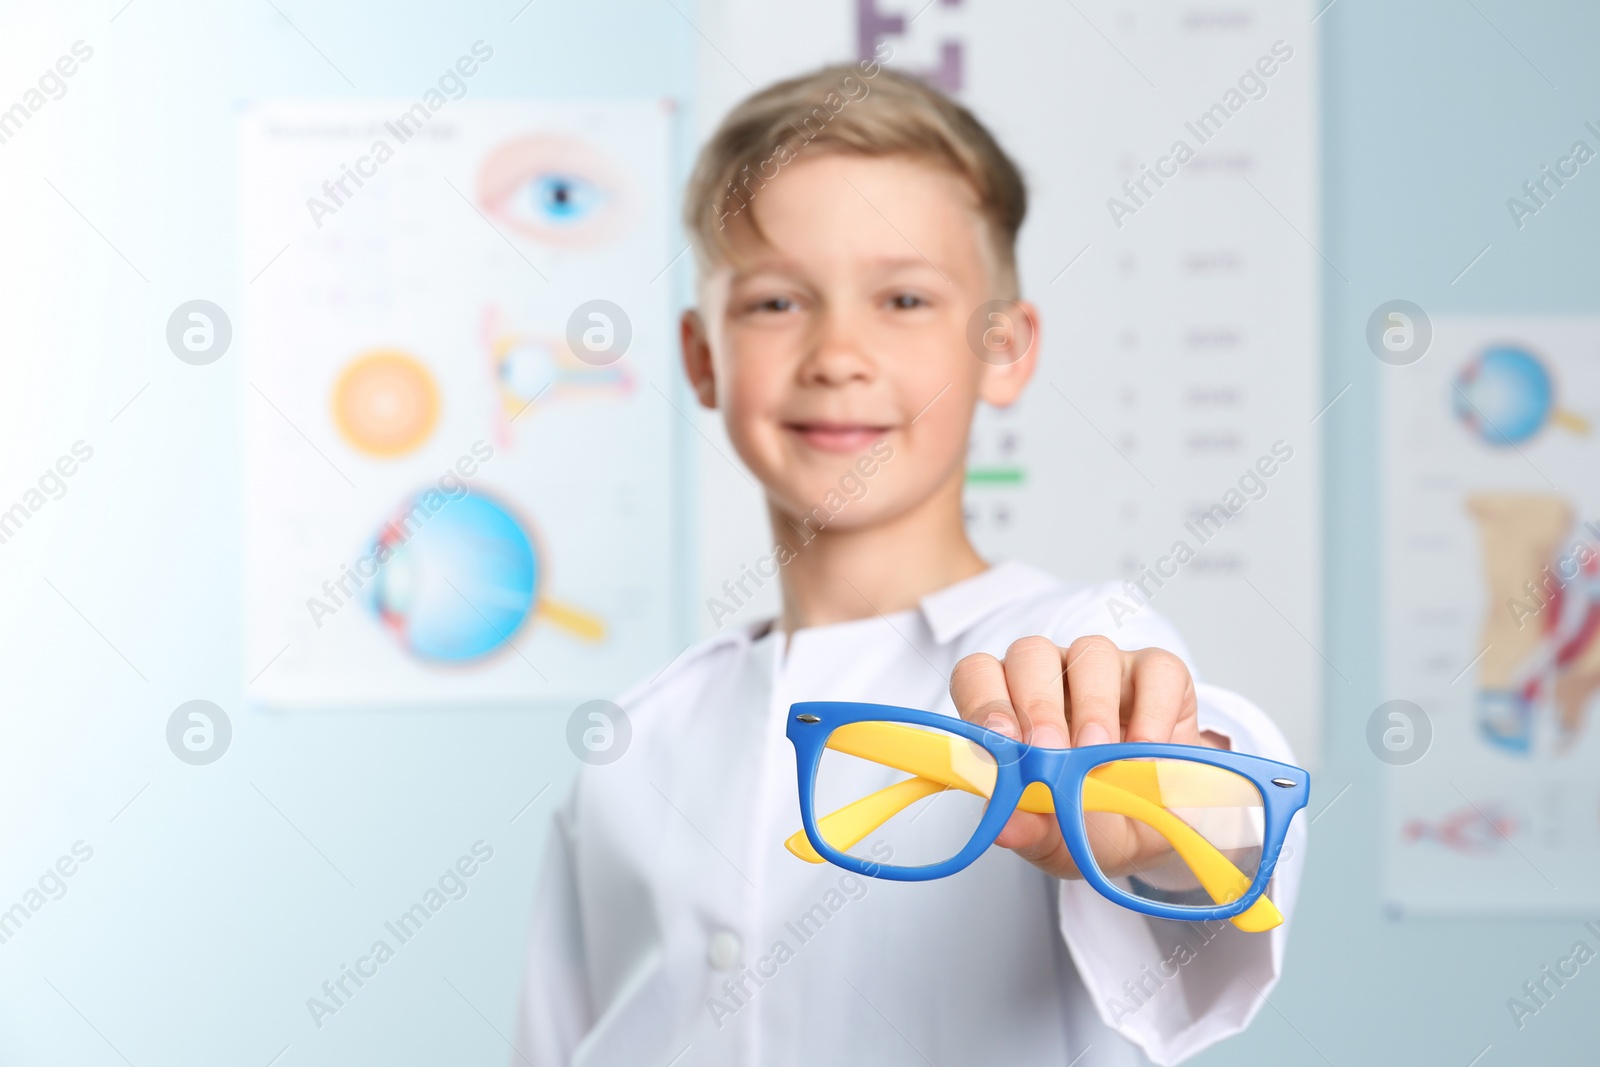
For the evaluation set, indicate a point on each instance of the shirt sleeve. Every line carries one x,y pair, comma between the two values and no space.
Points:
1174,988
554,1013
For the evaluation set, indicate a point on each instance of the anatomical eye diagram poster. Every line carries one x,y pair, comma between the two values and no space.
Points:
459,484
1492,615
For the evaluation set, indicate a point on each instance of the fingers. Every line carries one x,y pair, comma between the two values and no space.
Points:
1164,704
1033,678
1044,695
1095,683
1022,698
1037,839
978,689
1150,690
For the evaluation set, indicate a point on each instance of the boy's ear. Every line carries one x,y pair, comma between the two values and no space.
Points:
697,357
1009,364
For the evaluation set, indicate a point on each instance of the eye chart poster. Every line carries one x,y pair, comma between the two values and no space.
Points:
456,486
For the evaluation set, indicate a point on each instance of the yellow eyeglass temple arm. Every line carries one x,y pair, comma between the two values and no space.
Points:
1129,789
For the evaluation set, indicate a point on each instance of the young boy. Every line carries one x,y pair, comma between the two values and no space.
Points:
849,225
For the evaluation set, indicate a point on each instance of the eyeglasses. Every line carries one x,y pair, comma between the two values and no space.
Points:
1175,831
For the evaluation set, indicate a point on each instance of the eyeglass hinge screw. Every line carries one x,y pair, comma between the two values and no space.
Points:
1283,783
808,718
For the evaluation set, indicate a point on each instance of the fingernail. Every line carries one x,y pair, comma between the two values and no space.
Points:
1048,736
1093,734
1001,724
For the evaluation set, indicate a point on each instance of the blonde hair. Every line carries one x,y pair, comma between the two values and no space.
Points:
860,109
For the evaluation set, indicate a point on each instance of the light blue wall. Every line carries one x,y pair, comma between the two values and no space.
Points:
205,919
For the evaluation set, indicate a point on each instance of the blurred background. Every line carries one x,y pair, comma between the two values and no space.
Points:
280,279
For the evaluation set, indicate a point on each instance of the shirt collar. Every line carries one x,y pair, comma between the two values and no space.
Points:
956,608
948,612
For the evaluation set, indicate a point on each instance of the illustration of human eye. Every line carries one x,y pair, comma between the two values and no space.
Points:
555,190
561,199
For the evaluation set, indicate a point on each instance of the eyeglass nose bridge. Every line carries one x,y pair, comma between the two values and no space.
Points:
1045,765
1038,769
1038,772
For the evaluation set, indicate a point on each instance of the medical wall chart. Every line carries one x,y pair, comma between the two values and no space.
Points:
1491,593
1171,156
456,488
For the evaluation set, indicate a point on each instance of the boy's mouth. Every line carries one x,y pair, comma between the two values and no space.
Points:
837,436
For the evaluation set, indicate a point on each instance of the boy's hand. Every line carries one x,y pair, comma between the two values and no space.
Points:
1092,693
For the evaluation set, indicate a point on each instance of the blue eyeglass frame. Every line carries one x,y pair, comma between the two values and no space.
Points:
1019,765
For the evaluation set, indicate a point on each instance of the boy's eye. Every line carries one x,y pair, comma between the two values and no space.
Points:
774,303
906,301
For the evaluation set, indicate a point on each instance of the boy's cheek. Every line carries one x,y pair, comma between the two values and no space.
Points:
759,440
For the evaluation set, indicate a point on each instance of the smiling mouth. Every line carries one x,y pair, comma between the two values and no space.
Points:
837,436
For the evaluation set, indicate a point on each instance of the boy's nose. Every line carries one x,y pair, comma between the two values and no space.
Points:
838,355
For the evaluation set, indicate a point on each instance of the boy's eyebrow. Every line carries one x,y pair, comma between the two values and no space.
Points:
879,265
753,270
887,267
899,262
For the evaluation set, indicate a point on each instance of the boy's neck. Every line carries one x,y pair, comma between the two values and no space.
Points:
840,575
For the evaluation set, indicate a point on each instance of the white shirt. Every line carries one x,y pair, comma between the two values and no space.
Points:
666,886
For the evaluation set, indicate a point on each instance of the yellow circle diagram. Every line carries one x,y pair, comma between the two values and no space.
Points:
385,402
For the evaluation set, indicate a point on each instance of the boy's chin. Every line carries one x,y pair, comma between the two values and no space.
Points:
814,509
853,517
816,498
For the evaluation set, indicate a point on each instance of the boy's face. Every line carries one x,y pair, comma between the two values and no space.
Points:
847,328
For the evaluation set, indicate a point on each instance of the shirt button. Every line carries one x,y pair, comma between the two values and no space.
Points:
724,951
